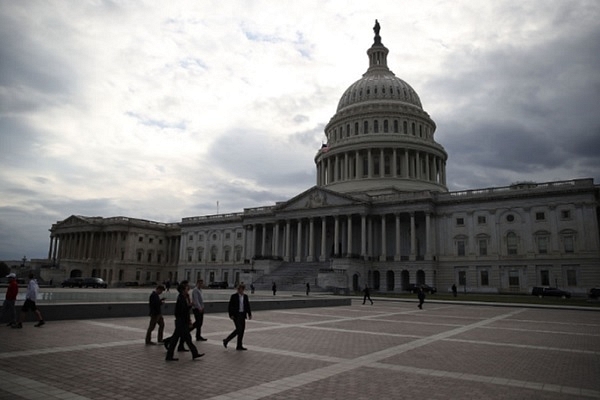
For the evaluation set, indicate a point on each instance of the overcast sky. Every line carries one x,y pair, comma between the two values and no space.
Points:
159,110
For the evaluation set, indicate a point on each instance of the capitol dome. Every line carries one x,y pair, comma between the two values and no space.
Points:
379,85
380,139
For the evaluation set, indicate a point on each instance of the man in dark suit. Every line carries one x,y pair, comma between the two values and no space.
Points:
182,324
239,310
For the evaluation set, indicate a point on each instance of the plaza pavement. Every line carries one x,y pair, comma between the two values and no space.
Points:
389,350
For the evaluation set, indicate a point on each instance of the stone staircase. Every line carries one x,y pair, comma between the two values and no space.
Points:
292,276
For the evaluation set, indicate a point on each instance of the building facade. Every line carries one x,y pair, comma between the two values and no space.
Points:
380,214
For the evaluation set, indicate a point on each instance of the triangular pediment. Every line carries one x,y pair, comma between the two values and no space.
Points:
317,197
74,220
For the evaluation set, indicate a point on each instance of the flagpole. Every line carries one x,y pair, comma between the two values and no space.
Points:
217,207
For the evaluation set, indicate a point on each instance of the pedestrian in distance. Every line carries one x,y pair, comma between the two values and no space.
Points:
10,298
182,324
421,296
155,303
274,288
454,290
239,310
307,288
198,309
30,298
367,295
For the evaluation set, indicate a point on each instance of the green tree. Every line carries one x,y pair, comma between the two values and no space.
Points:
4,269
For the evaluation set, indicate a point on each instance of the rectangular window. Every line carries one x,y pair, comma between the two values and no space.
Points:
148,276
141,239
565,214
239,235
460,221
139,256
138,274
481,219
200,237
511,243
542,242
571,277
483,247
540,216
545,277
227,235
460,248
569,244
151,240
462,278
191,238
158,258
485,279
149,257
513,278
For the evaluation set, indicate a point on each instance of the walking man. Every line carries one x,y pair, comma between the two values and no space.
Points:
155,303
367,295
198,309
30,298
8,306
421,296
182,324
239,309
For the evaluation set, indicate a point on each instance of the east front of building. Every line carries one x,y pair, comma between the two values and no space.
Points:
380,215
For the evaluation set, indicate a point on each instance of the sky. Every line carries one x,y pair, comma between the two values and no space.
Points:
166,110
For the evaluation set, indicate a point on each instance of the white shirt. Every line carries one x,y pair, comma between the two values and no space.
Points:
197,300
32,290
241,297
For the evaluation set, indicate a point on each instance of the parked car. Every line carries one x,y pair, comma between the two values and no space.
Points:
95,283
218,285
413,288
72,282
550,292
594,293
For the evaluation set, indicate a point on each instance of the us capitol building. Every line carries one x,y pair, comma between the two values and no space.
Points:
380,214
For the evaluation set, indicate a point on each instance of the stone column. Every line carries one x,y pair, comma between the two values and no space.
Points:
383,255
263,249
336,235
323,238
288,228
349,239
428,236
363,236
413,235
299,242
311,240
398,255
50,248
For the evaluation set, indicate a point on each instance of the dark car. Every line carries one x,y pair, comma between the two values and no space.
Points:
550,292
218,285
594,293
95,283
413,288
72,282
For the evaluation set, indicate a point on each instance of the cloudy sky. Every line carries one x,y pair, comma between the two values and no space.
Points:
159,110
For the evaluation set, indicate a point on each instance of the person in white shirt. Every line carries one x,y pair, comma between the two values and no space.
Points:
30,298
198,309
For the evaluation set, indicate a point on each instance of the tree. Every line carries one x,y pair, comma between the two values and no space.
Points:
4,269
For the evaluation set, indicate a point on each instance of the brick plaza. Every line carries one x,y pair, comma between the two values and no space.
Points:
389,350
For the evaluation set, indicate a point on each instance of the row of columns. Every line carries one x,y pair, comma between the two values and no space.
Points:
100,245
413,165
342,241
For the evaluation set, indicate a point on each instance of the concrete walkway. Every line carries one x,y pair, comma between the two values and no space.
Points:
389,350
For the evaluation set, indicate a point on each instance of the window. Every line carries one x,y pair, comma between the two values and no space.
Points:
413,129
159,241
569,243
227,235
565,214
200,253
462,278
540,216
395,126
460,247
404,127
376,126
484,278
141,239
545,277
513,278
510,218
386,126
138,274
214,236
542,244
356,128
139,256
151,240
366,127
189,256
483,247
149,257
148,276
511,243
460,221
226,255
158,258
239,235
201,237
571,277
481,219
191,238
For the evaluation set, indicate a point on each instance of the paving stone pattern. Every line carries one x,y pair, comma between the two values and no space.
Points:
389,350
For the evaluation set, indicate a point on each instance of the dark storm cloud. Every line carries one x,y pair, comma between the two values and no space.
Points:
524,108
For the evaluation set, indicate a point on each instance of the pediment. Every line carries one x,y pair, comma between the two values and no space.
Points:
74,220
316,197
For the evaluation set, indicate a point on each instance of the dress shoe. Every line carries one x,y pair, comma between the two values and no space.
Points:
241,348
150,344
224,343
18,325
197,356
181,350
201,340
39,323
171,359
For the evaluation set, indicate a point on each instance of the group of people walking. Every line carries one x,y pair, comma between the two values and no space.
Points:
9,309
238,310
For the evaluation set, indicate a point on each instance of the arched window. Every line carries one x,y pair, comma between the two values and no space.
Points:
511,243
395,126
356,128
404,127
366,127
386,127
376,126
